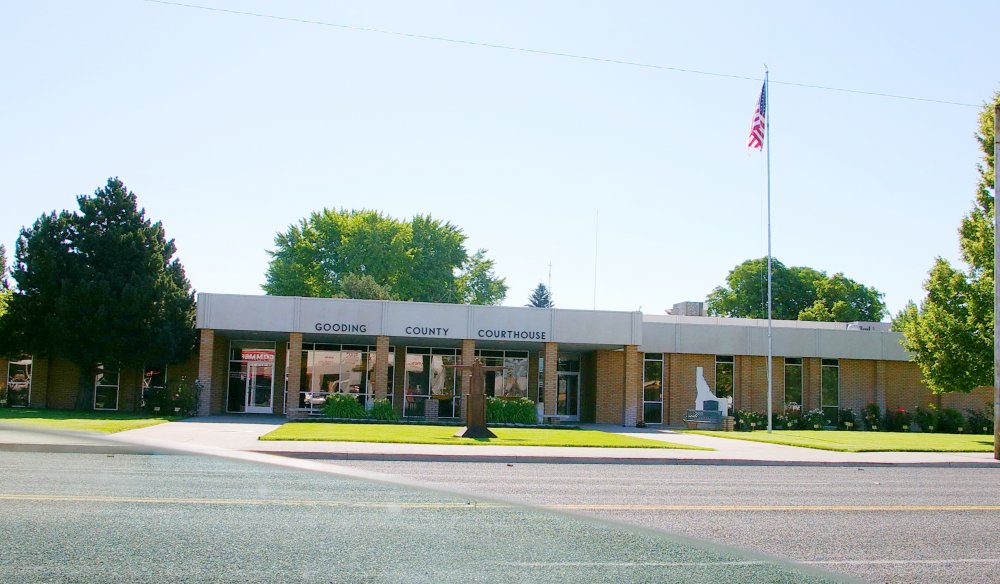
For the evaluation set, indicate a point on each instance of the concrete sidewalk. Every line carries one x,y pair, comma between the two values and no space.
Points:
231,433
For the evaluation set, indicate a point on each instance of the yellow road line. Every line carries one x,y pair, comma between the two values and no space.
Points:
602,507
478,505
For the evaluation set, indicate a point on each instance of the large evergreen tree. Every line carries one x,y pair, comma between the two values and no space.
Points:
951,333
330,253
99,287
797,293
540,297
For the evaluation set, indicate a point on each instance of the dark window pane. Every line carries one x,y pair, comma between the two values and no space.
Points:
652,413
793,384
724,380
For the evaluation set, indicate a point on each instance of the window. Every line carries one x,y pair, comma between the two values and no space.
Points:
19,383
793,382
327,368
652,388
105,389
725,377
831,391
513,380
154,378
431,374
568,386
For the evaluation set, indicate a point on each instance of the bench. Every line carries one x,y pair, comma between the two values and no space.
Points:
703,419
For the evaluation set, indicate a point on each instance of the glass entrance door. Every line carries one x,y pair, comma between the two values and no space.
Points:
251,377
568,395
259,388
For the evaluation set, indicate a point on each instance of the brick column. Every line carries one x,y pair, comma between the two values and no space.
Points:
551,354
206,358
468,356
381,367
631,385
398,398
294,375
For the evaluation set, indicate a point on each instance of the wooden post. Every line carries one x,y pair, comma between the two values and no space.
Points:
475,411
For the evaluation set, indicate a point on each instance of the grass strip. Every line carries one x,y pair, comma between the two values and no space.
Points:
99,422
845,441
395,434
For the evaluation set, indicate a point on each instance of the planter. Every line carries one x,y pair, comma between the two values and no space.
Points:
441,396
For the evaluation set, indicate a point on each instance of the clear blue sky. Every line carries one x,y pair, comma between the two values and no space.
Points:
229,128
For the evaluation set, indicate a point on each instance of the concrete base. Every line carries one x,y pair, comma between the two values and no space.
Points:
475,432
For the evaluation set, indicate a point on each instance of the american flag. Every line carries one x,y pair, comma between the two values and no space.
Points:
757,128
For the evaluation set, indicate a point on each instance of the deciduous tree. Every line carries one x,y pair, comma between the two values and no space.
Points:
951,334
423,259
797,293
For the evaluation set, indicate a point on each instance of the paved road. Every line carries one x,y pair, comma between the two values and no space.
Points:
880,524
72,517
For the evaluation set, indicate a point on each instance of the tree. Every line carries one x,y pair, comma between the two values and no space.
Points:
541,297
797,293
99,287
477,284
4,287
951,333
840,299
364,287
423,259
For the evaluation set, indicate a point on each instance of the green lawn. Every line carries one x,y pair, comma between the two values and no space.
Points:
844,441
103,422
416,434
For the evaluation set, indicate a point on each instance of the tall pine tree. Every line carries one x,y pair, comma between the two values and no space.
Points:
99,287
540,298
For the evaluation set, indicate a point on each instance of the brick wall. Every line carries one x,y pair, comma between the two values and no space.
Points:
220,374
977,399
632,386
608,386
904,386
858,382
681,389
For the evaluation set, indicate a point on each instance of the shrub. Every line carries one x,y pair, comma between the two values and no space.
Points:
746,420
979,421
510,411
793,416
179,398
872,416
951,421
780,422
382,410
847,420
927,418
898,421
341,405
814,419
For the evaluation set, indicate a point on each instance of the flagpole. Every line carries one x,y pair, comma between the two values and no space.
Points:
767,130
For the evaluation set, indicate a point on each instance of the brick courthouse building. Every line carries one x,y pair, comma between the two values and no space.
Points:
577,365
